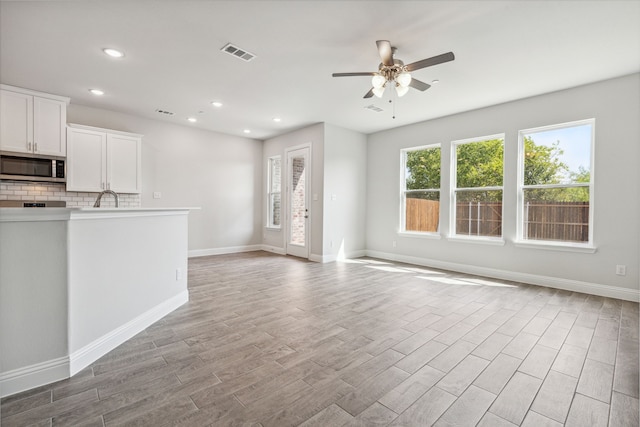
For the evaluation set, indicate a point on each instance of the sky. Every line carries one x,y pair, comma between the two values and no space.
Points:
575,141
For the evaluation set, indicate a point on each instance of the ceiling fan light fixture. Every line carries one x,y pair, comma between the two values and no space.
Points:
378,81
378,91
402,90
404,79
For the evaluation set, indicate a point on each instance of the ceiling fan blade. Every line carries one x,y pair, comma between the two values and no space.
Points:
353,74
385,51
369,94
420,85
434,60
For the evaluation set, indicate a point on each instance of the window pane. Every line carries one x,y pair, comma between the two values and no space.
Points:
423,169
422,211
274,209
558,156
480,164
479,213
275,175
560,214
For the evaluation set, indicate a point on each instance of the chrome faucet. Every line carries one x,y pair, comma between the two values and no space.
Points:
97,203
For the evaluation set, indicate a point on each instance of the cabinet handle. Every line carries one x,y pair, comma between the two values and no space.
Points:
102,185
35,147
28,146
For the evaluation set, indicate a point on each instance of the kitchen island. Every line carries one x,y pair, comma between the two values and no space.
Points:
77,282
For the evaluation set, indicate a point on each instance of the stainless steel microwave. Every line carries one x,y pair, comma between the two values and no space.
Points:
31,167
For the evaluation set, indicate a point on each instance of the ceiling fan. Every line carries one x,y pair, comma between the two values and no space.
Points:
394,71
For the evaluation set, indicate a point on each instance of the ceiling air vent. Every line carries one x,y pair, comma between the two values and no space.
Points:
165,112
374,108
237,52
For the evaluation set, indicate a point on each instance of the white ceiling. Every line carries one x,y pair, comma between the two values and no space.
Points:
504,50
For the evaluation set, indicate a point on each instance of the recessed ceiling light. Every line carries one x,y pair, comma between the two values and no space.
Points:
277,119
96,91
192,119
435,82
247,131
113,53
217,104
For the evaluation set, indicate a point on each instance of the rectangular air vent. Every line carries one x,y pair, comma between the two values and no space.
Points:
165,112
237,52
374,108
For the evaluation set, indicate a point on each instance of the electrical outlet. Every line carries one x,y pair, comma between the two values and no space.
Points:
157,195
621,270
178,274
394,243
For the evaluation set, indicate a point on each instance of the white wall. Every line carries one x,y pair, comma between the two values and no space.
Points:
615,105
221,174
275,239
345,184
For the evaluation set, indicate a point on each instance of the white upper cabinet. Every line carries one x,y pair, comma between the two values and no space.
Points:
103,159
32,122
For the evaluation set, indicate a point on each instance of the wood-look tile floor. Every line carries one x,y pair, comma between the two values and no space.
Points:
268,340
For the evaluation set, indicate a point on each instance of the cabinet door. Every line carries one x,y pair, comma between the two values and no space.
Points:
49,125
86,160
124,163
16,121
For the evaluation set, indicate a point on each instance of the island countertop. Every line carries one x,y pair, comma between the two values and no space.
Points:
53,214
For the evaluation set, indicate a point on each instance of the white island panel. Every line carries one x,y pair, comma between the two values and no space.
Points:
76,283
122,271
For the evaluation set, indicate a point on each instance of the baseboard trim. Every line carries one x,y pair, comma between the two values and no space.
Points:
32,376
273,249
194,253
80,359
532,279
336,257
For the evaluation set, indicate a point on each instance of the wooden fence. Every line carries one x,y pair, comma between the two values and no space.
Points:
567,221
422,215
562,221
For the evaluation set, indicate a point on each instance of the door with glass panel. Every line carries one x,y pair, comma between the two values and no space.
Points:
298,189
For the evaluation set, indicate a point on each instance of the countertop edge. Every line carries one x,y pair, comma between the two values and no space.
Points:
66,214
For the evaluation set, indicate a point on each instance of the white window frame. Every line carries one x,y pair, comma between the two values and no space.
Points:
454,187
270,193
589,246
403,192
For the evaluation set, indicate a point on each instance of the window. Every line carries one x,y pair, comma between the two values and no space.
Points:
420,187
555,183
274,196
477,182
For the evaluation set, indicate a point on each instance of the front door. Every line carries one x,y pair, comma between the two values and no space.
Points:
298,183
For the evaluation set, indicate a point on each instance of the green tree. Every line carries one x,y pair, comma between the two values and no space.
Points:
542,163
481,164
424,169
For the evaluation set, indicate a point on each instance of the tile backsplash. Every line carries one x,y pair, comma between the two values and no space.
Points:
37,191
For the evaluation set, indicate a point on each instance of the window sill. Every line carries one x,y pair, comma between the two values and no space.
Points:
273,228
552,246
420,235
477,240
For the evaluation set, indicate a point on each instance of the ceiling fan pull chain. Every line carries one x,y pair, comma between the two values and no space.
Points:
393,108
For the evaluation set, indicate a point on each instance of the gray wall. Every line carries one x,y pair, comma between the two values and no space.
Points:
345,185
221,174
615,105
